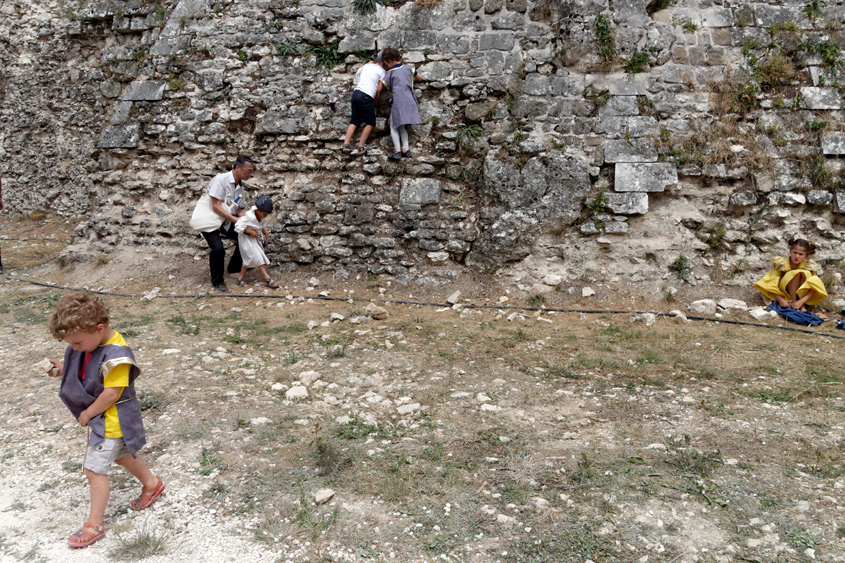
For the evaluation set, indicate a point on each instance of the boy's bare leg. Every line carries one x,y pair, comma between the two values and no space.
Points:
99,485
349,132
243,273
364,134
139,469
263,271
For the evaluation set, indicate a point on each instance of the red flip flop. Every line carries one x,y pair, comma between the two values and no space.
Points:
86,535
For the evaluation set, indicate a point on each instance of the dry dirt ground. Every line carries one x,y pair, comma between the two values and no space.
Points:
442,435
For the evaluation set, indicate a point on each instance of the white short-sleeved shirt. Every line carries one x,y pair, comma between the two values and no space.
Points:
224,188
368,77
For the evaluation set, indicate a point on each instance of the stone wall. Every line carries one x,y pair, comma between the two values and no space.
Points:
584,138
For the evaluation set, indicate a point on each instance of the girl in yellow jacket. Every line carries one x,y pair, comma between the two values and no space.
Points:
792,281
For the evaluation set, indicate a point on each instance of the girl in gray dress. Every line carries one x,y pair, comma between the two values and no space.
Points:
400,80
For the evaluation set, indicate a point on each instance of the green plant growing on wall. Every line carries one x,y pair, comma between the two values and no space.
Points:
367,7
682,267
467,132
326,55
819,172
605,38
242,55
597,205
690,27
637,63
287,49
657,5
716,240
813,10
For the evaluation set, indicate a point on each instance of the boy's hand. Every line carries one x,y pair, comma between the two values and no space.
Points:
253,233
84,417
56,369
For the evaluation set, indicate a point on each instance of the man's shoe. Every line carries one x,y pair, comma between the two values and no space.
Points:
221,287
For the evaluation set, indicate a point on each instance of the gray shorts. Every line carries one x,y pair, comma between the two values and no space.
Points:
101,456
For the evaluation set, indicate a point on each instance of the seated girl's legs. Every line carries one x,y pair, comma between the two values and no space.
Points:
792,290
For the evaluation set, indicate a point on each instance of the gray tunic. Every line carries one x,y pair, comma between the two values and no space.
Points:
405,111
78,394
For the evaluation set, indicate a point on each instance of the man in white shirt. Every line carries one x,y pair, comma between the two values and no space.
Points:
226,191
365,96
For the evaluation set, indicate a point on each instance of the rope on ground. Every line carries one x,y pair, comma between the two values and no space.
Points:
14,277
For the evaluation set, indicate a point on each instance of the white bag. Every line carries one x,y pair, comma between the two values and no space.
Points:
204,219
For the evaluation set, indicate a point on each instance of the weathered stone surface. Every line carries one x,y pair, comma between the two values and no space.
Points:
820,98
635,177
421,191
145,91
819,197
743,198
627,204
833,142
630,150
125,136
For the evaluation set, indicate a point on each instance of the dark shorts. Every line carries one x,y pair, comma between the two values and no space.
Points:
363,109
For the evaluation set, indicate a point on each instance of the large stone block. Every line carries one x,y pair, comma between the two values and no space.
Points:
627,204
635,177
717,16
421,191
820,98
839,201
166,46
145,91
833,142
455,44
124,136
630,150
496,42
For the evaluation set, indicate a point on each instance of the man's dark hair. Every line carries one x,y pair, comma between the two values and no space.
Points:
241,160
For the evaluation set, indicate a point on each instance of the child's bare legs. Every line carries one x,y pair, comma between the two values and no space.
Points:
263,271
364,134
242,274
349,132
792,290
139,469
99,485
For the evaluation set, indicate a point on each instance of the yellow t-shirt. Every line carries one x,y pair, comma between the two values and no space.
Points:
117,377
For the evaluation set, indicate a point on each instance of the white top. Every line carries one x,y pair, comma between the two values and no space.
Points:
224,188
368,77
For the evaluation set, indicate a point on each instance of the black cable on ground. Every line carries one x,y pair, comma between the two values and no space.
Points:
421,303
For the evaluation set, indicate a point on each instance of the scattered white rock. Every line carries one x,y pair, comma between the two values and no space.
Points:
516,317
44,366
540,503
259,421
587,292
679,317
312,325
733,304
375,312
452,299
760,313
151,294
314,282
323,496
408,409
553,280
337,317
296,392
505,519
703,307
648,318
359,319
170,351
306,378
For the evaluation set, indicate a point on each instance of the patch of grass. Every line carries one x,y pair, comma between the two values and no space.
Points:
209,463
151,400
637,63
72,466
150,541
576,543
330,458
779,396
682,267
309,518
467,132
537,300
605,38
680,455
287,50
291,357
326,56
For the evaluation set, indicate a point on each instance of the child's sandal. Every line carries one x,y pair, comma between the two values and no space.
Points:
241,282
147,496
407,154
271,283
86,535
395,155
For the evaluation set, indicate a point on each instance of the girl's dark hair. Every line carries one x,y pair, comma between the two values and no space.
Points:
803,243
